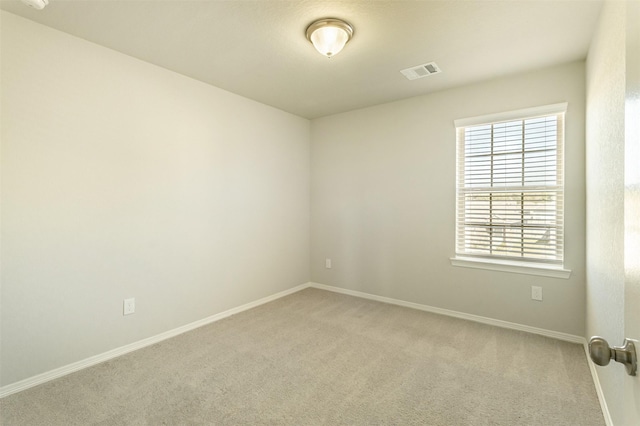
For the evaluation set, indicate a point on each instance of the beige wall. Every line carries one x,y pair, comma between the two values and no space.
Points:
383,202
121,179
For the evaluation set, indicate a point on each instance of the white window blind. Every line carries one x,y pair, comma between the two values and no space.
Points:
510,188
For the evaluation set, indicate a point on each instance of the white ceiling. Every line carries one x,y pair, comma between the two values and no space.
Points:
258,49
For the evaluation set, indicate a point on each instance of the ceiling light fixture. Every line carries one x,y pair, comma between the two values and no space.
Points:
329,35
36,4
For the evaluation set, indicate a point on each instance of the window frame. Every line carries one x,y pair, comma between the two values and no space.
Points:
514,264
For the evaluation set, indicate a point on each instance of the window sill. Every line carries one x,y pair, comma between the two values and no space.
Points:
515,267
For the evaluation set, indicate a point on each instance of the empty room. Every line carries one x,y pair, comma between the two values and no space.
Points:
320,212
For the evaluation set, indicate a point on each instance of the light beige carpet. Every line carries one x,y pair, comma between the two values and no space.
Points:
321,358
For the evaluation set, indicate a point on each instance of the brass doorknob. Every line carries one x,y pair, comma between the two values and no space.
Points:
601,353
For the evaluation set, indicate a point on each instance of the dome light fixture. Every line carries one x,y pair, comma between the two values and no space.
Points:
36,4
329,35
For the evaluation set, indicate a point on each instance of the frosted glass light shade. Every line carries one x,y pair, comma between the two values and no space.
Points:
329,35
36,4
329,40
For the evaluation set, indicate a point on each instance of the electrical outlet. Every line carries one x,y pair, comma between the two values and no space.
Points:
536,293
327,263
129,306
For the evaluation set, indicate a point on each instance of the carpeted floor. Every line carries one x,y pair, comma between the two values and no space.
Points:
321,358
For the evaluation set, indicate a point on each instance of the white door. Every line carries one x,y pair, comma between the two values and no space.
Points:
632,206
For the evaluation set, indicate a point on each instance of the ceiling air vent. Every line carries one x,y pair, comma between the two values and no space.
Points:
421,71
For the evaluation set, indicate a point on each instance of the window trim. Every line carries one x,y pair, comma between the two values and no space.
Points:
501,264
518,114
518,267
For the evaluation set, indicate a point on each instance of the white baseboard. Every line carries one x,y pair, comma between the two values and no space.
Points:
88,362
596,381
490,321
476,318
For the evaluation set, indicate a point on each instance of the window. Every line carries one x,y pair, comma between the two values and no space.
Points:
510,188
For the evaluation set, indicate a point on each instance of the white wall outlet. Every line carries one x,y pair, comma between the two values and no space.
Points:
129,306
536,293
327,263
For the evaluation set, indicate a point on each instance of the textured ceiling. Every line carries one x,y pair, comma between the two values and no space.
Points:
258,49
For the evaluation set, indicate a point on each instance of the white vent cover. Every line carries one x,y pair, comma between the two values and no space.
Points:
421,71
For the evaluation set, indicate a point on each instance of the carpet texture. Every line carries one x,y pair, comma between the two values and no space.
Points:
321,358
